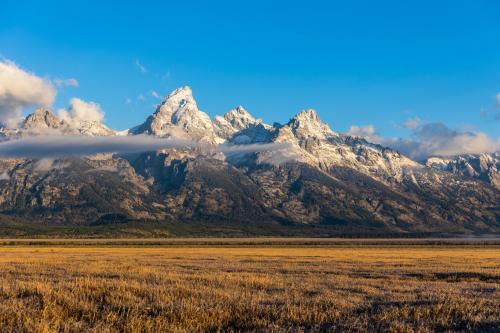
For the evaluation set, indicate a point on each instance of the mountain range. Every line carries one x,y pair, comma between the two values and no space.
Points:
318,180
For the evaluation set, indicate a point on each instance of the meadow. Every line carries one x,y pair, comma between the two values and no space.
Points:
205,288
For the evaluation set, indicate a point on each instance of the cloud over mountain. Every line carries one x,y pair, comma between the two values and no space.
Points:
436,139
20,89
367,132
80,110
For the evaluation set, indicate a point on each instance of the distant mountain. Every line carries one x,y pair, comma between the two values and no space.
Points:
485,167
323,180
233,122
43,121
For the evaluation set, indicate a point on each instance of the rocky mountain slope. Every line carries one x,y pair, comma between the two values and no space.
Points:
323,179
485,167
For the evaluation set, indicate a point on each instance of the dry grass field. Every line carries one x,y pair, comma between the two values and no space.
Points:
211,289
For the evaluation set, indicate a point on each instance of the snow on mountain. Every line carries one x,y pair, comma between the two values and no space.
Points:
93,128
307,125
43,121
232,122
178,116
307,173
485,167
314,143
311,141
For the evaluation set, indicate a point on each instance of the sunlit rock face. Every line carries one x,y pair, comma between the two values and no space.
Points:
484,167
308,175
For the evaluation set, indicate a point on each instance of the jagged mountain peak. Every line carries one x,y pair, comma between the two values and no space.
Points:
485,167
94,128
41,119
308,124
178,116
183,91
181,99
240,110
309,115
238,118
241,127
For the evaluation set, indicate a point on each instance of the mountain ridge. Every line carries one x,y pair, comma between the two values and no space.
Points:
323,178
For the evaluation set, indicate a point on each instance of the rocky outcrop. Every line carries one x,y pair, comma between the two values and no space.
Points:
307,175
484,167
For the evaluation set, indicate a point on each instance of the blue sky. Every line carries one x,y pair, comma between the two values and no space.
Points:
356,62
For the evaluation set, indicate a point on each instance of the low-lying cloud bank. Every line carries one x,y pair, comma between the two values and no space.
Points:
54,146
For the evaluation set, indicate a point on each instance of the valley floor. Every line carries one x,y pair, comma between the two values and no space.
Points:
110,288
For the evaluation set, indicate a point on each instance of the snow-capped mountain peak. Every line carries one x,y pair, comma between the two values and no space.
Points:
184,92
179,101
239,117
93,128
308,124
234,121
485,167
178,116
41,119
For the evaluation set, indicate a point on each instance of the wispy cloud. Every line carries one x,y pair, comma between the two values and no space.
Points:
497,104
66,82
140,66
412,123
20,89
46,164
165,76
155,94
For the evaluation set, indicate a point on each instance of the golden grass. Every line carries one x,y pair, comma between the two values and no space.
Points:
126,289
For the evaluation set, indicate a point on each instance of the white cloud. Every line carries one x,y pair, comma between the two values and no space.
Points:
436,139
165,76
141,97
20,89
47,164
367,132
140,66
432,139
412,123
155,94
81,111
128,100
66,82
